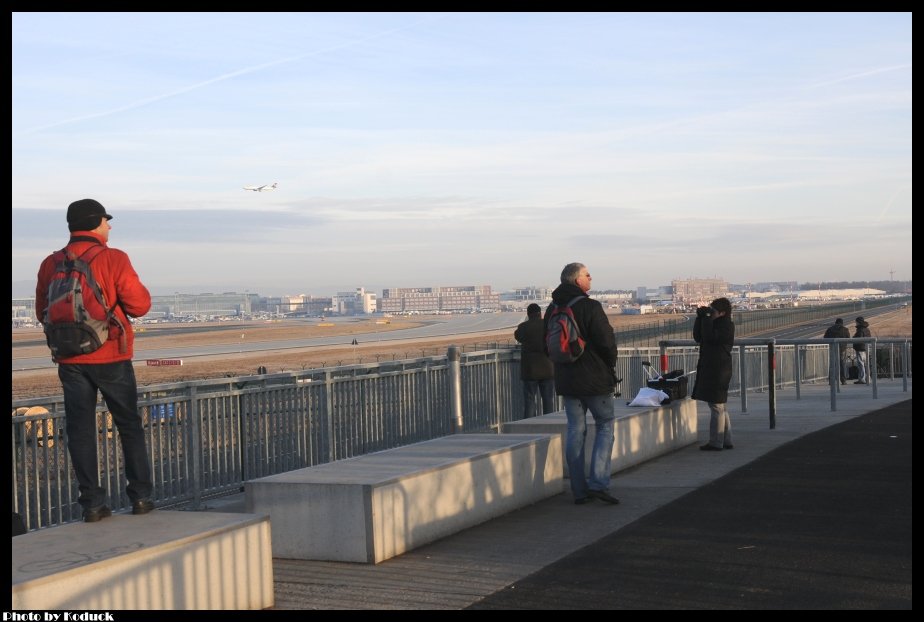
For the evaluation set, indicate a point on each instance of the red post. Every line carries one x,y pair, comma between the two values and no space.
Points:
664,368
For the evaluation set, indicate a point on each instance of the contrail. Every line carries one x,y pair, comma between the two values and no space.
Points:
864,74
888,205
227,76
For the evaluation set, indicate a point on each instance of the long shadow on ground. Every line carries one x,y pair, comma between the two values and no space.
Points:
823,522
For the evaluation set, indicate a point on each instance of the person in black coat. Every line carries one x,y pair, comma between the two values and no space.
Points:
587,384
536,369
714,331
839,331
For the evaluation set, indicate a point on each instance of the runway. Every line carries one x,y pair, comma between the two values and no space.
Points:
439,327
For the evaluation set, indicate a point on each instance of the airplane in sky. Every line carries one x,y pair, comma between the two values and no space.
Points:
264,187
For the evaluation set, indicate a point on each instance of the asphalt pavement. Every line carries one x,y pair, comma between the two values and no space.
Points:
823,522
812,514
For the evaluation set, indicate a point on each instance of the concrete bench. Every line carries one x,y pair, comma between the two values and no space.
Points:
161,560
640,433
373,507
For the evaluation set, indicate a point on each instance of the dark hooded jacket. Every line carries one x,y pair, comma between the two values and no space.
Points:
534,362
861,331
593,373
838,331
714,369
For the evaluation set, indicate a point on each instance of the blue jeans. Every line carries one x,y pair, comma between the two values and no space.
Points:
116,381
545,388
603,409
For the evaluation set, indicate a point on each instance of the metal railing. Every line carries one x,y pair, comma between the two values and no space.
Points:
770,364
206,438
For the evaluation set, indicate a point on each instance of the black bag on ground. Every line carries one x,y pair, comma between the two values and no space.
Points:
676,388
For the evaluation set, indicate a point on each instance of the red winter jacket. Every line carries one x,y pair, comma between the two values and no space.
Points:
120,283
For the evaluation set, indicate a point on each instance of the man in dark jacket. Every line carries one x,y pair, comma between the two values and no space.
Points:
839,331
587,384
862,330
536,369
714,331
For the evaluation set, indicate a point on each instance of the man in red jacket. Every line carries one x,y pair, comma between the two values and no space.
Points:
107,370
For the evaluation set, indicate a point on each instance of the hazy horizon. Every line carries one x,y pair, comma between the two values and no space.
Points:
22,289
468,148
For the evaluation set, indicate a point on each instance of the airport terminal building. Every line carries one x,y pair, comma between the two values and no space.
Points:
699,290
434,299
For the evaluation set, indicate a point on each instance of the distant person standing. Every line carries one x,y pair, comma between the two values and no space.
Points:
862,330
587,383
536,369
106,369
839,331
714,331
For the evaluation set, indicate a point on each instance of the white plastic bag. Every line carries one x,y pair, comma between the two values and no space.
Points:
649,397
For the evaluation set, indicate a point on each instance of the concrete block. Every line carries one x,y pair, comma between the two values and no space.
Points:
640,433
373,507
161,560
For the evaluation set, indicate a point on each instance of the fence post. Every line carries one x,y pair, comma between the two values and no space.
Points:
875,370
497,390
428,407
329,416
743,379
771,380
906,364
891,361
195,433
454,356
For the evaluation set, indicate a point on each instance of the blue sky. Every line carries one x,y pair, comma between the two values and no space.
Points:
442,148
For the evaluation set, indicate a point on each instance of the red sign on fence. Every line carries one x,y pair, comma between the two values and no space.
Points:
162,362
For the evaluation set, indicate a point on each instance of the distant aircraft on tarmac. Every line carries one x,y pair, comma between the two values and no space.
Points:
265,187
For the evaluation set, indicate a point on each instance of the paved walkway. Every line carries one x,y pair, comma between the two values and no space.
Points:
824,522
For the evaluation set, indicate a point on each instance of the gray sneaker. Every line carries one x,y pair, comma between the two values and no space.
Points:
604,496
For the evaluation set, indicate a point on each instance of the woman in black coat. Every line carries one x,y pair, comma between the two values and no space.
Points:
714,331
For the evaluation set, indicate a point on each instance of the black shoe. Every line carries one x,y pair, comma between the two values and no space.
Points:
708,447
728,446
603,496
93,515
860,382
142,506
583,500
